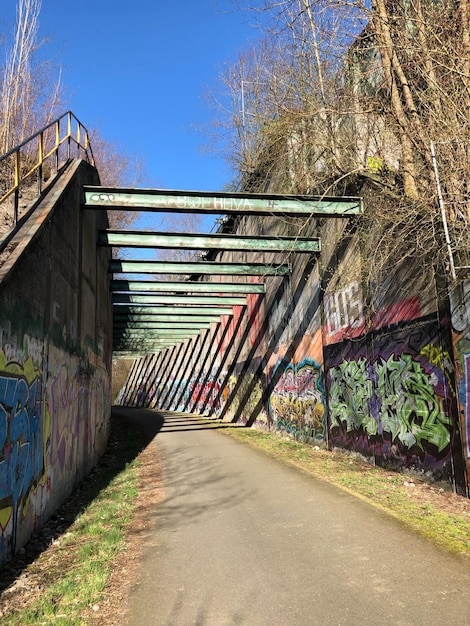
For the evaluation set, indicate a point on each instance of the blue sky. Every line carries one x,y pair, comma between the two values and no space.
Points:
138,70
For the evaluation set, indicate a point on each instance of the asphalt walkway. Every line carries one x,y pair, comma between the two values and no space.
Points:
242,539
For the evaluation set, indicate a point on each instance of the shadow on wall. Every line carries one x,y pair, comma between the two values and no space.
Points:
180,379
251,379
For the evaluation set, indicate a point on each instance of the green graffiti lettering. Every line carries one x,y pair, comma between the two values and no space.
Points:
408,406
350,391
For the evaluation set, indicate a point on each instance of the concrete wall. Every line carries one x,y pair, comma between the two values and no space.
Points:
333,360
55,330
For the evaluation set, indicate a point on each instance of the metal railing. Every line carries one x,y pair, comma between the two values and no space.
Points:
36,153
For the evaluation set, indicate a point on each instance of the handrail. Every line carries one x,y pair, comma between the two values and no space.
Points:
48,146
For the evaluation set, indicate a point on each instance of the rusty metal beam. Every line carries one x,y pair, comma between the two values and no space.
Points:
145,239
219,202
211,268
183,286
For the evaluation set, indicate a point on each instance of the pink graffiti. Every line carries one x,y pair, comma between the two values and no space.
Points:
301,381
408,309
206,394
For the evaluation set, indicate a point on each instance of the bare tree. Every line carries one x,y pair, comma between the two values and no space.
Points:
286,101
117,168
340,92
30,90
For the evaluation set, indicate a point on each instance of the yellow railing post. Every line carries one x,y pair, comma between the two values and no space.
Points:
40,160
17,184
79,126
57,144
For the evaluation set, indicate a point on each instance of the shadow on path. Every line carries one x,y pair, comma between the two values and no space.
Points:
131,432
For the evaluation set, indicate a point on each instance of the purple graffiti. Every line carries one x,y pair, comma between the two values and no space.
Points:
467,403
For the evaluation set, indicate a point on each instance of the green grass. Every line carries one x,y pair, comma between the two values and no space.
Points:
90,545
73,580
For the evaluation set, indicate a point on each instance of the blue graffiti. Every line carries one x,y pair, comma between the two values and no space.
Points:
22,460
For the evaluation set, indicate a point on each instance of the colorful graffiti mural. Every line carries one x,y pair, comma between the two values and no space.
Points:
205,396
391,398
24,433
297,403
394,396
343,313
53,427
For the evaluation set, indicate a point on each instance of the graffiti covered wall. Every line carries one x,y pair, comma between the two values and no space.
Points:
391,397
55,356
243,398
338,357
297,401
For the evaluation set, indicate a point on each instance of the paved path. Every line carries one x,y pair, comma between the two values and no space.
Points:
241,539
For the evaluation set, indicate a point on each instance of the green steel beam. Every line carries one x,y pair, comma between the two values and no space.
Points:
219,203
128,353
212,268
147,346
144,239
159,319
125,334
140,344
154,335
162,325
131,300
152,310
185,286
143,342
124,354
163,331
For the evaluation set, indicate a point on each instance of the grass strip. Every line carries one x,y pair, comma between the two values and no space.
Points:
391,492
75,577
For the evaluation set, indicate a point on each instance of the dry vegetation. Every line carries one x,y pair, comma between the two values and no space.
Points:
335,93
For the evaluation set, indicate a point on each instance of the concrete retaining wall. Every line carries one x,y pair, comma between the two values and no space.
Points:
55,358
